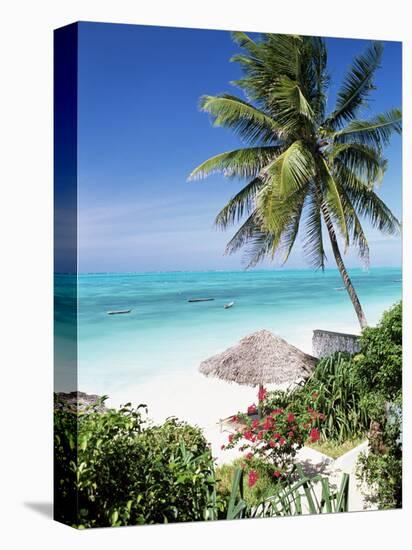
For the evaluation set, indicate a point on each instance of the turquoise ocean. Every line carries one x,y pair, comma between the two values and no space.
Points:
164,333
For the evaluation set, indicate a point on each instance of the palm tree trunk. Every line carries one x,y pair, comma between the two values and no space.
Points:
342,269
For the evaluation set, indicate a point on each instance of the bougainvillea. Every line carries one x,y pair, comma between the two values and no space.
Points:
274,437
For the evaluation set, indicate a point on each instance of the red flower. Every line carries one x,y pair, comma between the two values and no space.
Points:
276,473
291,417
276,435
235,419
230,438
251,409
268,423
249,456
272,443
253,477
260,435
248,435
255,423
282,441
262,393
277,411
314,435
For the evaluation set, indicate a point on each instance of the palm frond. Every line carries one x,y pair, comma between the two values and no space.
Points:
272,57
354,225
290,106
334,202
364,161
244,41
249,122
291,231
245,232
313,247
356,86
375,132
241,163
368,205
291,171
263,243
239,205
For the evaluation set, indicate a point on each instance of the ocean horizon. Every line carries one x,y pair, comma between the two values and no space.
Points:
165,334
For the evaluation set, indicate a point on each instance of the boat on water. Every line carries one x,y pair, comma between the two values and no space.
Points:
230,304
119,312
200,299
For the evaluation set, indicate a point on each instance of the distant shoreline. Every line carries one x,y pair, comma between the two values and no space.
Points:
263,270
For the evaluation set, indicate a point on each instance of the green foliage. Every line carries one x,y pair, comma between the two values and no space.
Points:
332,390
296,495
124,471
265,486
381,468
379,364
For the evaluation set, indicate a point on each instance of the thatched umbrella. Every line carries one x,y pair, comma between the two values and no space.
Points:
260,358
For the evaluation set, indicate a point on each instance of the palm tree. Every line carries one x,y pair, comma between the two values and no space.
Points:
307,170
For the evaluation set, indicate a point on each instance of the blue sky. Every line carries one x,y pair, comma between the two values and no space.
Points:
141,133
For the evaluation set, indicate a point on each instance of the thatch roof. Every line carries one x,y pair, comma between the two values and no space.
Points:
260,358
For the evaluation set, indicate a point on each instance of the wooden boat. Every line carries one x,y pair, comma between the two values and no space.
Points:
119,312
230,304
200,299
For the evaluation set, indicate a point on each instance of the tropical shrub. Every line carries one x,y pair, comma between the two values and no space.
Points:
125,471
333,390
275,437
381,467
378,366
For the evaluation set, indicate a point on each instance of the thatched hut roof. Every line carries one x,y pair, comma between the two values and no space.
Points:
260,358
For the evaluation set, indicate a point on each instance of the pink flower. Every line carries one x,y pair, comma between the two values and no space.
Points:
260,435
234,419
262,393
277,411
291,417
253,477
276,473
230,438
282,441
255,423
251,409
